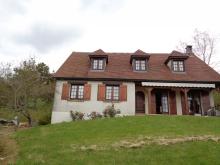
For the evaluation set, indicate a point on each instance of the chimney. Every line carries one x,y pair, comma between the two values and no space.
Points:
189,49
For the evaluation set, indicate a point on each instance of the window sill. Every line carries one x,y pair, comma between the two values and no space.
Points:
111,101
92,70
177,72
76,100
140,71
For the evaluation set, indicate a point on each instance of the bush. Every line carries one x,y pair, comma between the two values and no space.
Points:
94,115
45,119
110,111
76,115
43,113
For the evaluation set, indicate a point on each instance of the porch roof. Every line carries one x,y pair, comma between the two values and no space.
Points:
188,85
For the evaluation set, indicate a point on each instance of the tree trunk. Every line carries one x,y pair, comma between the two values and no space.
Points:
28,116
29,121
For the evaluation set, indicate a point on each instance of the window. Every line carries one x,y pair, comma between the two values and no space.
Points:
98,64
140,65
178,66
112,93
77,91
164,102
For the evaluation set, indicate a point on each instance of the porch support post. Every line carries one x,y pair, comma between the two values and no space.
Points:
172,101
150,111
211,98
186,111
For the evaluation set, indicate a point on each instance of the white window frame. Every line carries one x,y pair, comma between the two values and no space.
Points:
98,64
112,92
140,65
77,91
178,66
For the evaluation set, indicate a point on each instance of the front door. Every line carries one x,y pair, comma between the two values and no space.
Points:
140,102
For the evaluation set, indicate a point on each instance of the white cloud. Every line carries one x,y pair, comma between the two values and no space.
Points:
52,29
9,8
45,37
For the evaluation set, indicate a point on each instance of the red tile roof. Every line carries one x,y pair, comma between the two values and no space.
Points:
77,66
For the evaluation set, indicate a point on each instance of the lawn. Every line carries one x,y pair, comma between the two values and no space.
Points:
128,140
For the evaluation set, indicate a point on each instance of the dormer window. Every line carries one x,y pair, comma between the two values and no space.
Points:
176,62
178,66
140,65
139,60
98,60
98,64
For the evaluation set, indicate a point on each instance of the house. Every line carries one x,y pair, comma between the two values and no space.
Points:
137,83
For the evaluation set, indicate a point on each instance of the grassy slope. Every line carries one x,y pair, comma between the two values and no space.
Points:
53,144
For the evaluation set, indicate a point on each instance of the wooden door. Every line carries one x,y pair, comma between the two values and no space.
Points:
140,102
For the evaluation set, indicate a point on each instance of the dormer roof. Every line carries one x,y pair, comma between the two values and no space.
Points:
99,54
139,54
175,55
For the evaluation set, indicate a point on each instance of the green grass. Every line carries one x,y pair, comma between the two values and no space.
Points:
55,144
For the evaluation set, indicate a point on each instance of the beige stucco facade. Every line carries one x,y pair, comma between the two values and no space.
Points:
62,108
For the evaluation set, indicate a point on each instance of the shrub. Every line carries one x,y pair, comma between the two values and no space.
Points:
43,114
110,111
45,119
95,115
76,115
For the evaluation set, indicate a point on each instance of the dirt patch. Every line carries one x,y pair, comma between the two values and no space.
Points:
8,147
143,141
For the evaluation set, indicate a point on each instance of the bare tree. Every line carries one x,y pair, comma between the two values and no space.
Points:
203,46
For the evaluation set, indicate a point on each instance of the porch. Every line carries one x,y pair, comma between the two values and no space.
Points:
173,98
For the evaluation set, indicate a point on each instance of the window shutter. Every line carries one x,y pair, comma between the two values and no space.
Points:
205,101
123,92
87,91
101,92
172,101
65,91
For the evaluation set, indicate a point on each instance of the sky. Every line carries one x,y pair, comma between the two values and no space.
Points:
50,30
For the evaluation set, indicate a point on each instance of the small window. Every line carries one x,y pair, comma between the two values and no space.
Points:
140,65
77,92
112,93
98,64
178,66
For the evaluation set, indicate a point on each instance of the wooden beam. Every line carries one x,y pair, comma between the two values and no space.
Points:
149,100
185,90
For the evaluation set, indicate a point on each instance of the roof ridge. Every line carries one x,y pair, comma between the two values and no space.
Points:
159,53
